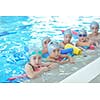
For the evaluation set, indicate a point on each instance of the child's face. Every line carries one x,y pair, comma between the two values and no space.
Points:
94,29
55,53
45,43
82,37
36,60
67,38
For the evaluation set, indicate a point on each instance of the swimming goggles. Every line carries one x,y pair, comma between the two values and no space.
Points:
82,35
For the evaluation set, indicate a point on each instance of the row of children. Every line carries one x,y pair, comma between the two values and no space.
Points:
60,53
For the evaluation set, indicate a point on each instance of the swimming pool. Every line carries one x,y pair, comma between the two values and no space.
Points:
20,34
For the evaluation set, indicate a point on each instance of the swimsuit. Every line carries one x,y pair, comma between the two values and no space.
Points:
34,69
45,55
59,58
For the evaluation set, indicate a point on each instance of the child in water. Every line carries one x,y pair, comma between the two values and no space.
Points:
55,55
67,38
83,40
95,35
36,67
45,42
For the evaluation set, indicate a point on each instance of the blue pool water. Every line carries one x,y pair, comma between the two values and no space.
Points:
20,35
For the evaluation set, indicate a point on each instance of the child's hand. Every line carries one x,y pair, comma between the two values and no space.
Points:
46,64
45,69
72,62
61,62
90,42
37,66
57,61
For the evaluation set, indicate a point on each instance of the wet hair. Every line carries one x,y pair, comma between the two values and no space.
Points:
68,31
94,23
52,45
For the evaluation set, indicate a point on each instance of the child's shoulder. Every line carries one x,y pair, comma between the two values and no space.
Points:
78,41
49,57
62,42
27,66
98,34
90,35
98,37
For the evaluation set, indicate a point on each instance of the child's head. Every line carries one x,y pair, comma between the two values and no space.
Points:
82,35
94,26
67,36
53,49
45,41
35,60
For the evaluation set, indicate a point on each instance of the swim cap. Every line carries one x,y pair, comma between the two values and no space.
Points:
68,31
83,31
94,23
36,53
46,38
52,45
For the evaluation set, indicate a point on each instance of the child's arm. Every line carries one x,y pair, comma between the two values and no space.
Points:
69,59
29,71
83,44
45,50
50,65
62,45
33,74
52,60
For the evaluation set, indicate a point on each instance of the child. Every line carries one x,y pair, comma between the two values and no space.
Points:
45,42
83,40
55,56
95,36
35,67
67,38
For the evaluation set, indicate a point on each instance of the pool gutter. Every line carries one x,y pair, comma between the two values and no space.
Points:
85,74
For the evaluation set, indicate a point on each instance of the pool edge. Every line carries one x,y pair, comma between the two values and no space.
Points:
85,74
